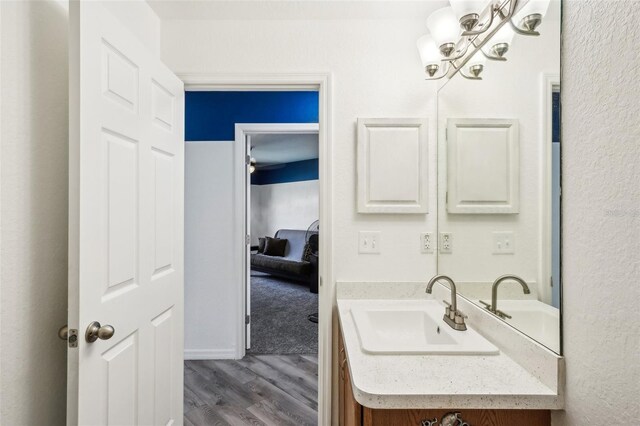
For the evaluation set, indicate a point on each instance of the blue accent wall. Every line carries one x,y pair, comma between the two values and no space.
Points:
556,117
211,116
289,172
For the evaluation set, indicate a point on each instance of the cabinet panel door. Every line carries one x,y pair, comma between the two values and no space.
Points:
352,409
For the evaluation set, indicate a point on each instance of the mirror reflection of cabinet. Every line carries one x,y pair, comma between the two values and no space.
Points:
499,187
483,161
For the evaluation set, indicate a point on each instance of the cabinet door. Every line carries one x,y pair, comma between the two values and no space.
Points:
352,409
341,375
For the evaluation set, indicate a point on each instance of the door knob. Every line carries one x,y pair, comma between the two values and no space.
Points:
63,332
96,331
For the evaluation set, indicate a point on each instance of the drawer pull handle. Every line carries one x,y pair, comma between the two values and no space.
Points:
449,419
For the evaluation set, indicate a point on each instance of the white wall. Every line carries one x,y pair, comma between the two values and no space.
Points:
601,196
292,205
211,283
500,95
34,212
140,19
376,73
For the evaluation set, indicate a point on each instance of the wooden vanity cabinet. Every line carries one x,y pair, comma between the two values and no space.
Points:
351,413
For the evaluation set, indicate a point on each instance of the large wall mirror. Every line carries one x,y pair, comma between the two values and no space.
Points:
499,183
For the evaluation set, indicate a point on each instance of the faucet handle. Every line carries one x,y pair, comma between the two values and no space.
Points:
459,317
446,303
486,305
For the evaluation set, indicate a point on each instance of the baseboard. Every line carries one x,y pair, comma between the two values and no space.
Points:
206,354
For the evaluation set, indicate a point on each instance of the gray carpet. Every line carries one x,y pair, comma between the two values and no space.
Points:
279,310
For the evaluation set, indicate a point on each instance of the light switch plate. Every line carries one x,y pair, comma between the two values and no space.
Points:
446,242
369,242
426,242
504,242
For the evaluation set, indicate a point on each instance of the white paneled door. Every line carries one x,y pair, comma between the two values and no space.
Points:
126,227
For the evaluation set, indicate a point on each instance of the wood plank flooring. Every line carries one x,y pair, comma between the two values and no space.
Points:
266,390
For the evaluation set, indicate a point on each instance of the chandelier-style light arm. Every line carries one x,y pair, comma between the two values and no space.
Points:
442,75
490,57
460,55
467,76
522,31
485,26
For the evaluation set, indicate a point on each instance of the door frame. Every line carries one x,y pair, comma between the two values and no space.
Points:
243,131
549,81
320,82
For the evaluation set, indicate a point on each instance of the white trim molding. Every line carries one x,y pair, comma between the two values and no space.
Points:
320,82
208,354
240,152
549,82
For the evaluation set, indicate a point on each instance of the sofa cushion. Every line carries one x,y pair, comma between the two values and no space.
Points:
261,243
296,242
275,246
281,264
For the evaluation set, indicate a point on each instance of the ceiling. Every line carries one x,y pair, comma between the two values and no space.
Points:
294,9
269,149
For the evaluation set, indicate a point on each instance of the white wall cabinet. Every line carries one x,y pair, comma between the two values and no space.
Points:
392,165
483,166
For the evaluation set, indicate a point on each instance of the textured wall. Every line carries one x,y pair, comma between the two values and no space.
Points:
34,212
601,212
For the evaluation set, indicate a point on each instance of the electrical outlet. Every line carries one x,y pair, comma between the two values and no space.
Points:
369,242
426,242
446,242
504,243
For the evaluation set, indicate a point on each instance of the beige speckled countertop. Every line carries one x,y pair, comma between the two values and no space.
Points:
439,381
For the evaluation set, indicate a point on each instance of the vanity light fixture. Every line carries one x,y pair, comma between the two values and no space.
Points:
468,12
474,67
526,20
500,44
461,37
444,29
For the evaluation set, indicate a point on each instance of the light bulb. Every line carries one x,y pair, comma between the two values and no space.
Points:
429,54
531,14
444,29
468,11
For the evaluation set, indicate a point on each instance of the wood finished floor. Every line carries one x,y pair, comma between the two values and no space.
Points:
268,390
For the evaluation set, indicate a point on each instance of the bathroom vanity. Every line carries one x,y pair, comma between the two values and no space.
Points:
490,374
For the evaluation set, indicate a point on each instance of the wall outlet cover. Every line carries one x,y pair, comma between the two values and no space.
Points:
446,242
426,242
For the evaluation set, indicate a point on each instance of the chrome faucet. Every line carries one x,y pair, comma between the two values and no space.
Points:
494,294
453,317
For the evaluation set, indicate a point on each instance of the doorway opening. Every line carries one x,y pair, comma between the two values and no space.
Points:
282,222
273,354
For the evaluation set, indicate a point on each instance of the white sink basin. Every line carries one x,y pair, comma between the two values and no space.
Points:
535,319
413,327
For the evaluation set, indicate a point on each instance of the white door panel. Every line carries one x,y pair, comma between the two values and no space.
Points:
126,226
